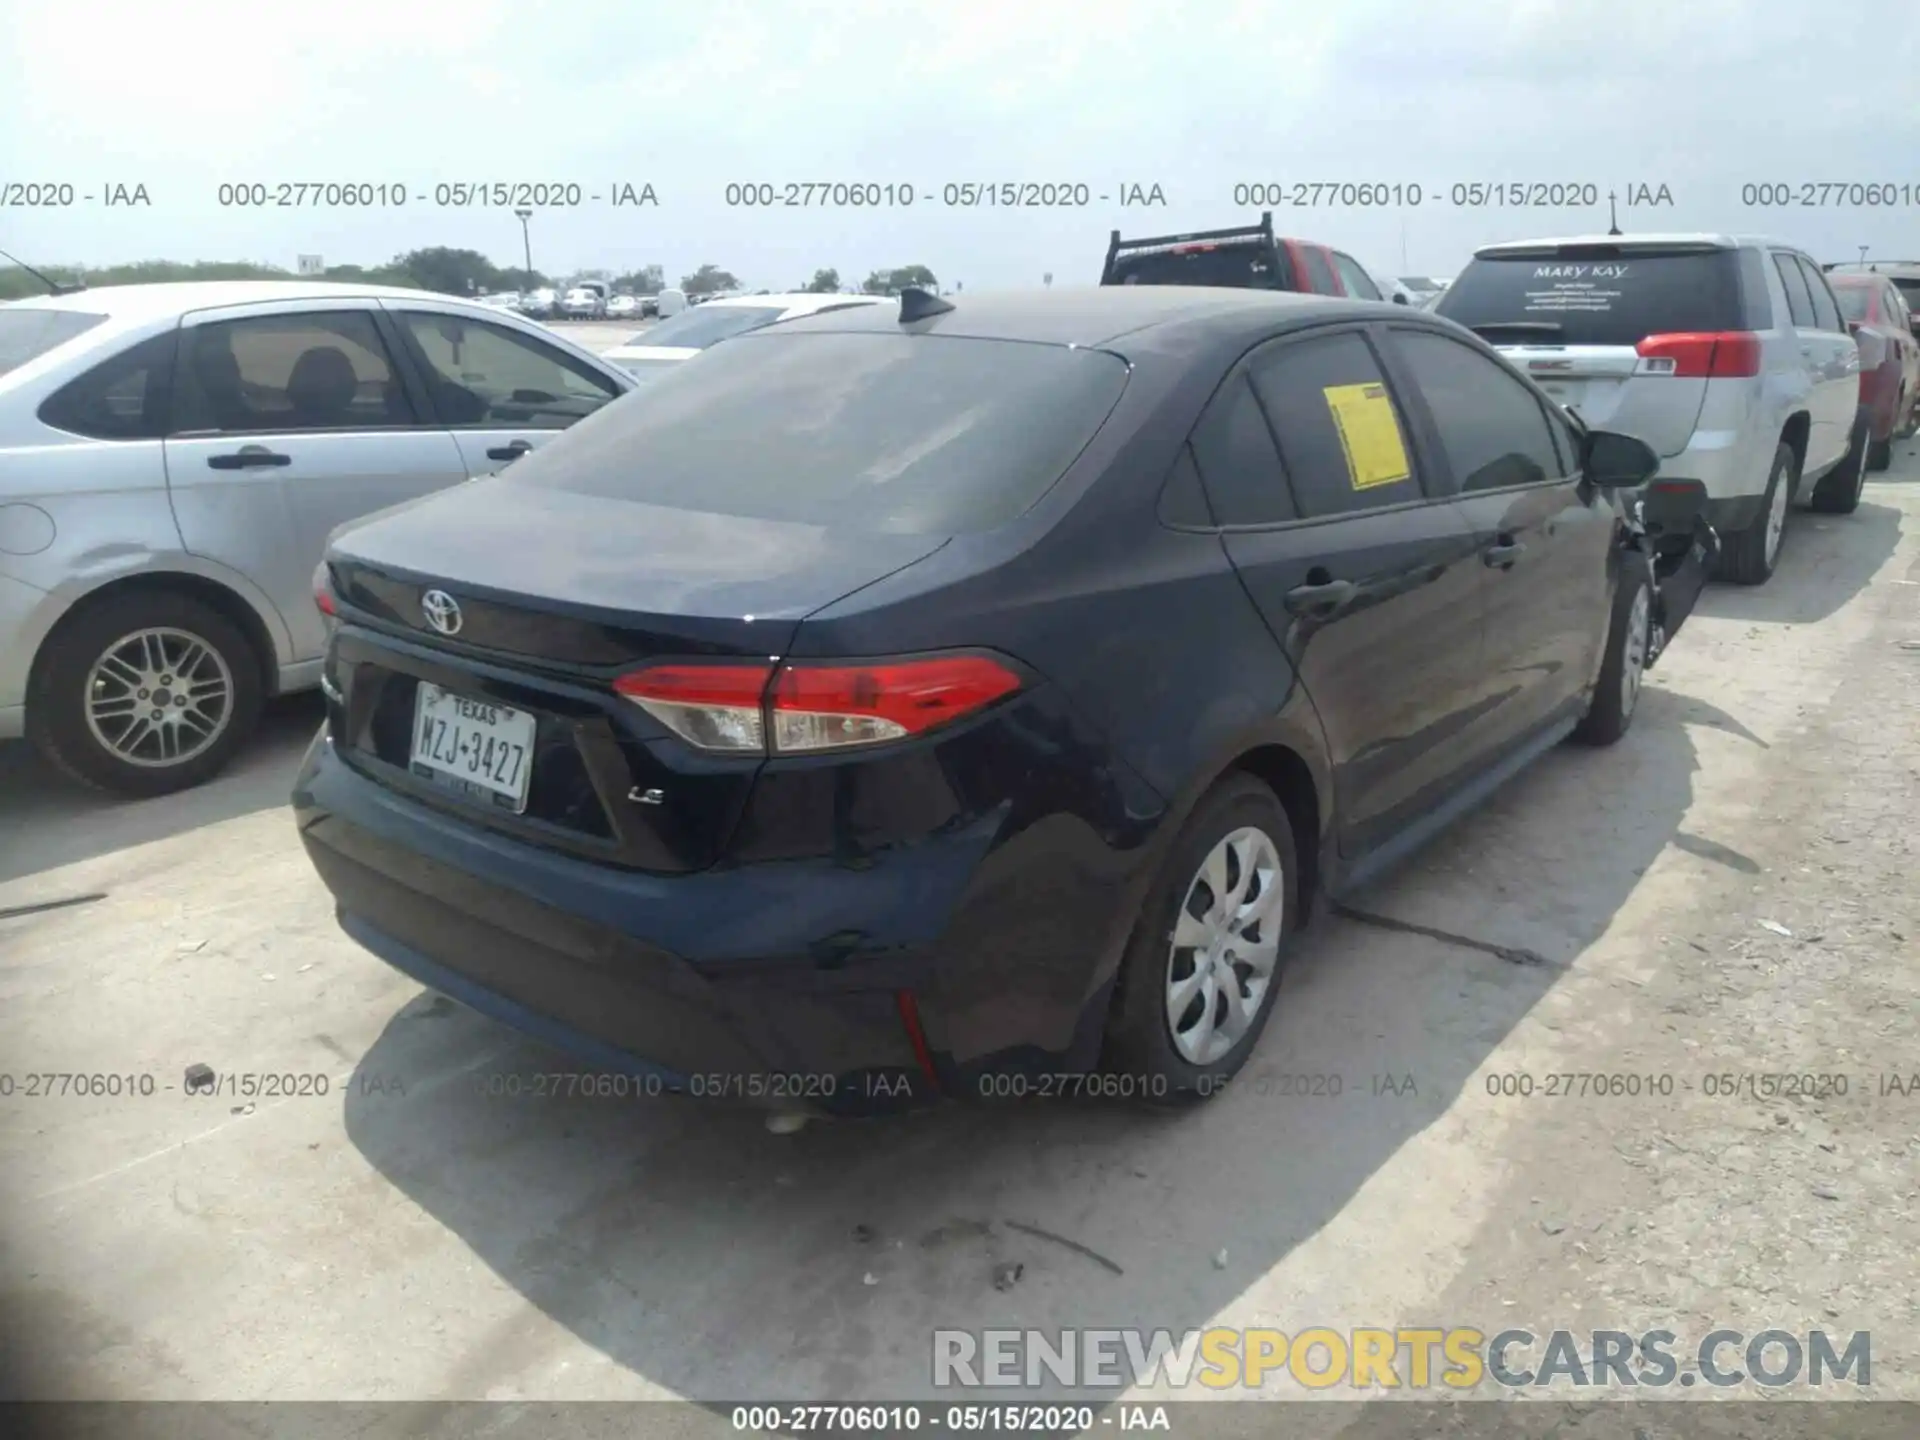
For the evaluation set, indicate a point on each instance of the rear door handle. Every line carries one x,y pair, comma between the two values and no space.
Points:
1322,599
248,457
1503,555
509,452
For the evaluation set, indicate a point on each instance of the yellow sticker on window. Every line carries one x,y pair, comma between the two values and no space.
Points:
1369,433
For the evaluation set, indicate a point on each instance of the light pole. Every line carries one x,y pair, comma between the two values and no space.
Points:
1047,279
1863,255
526,242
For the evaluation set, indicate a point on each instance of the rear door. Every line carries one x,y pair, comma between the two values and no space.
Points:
500,391
1824,446
1545,539
1834,356
1573,316
1371,585
287,422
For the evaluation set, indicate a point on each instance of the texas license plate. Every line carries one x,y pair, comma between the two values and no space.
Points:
477,747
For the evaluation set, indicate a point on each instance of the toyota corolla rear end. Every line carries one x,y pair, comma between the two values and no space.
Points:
592,767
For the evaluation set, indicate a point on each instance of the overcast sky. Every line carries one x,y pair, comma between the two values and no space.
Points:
1701,96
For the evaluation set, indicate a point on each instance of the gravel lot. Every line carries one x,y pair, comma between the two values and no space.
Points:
406,1236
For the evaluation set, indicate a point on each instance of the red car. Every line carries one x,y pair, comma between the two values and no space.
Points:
1877,314
1245,257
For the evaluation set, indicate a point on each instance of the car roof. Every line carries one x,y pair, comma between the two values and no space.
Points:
1652,240
137,302
1905,269
803,301
1094,315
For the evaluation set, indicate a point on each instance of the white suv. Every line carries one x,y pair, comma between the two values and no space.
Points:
1727,354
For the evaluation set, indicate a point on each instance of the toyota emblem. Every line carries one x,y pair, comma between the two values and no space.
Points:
442,611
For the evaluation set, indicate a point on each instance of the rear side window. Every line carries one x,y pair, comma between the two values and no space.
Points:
1596,295
921,435
299,371
1319,274
1342,439
1826,314
1856,302
1232,267
1911,290
1799,299
1238,460
1494,430
124,398
27,334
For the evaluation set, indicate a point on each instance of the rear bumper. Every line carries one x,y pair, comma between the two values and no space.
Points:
787,984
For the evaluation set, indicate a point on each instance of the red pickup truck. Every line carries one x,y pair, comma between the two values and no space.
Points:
1247,257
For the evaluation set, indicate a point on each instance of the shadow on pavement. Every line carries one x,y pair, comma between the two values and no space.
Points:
1824,561
713,1259
53,821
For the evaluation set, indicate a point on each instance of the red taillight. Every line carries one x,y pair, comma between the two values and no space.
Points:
812,706
1701,356
323,591
823,707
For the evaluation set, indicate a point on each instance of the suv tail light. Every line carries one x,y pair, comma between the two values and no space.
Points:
811,706
323,591
1700,356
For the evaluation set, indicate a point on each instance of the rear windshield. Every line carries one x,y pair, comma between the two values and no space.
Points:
27,334
921,435
697,329
1582,297
1233,267
1856,301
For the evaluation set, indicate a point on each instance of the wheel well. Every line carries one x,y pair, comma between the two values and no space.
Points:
1794,435
1287,775
208,592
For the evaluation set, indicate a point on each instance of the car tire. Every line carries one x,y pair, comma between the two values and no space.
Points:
1838,492
1747,557
1616,695
1912,426
91,664
1155,1051
1879,454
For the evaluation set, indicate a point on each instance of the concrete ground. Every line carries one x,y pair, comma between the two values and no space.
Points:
1730,891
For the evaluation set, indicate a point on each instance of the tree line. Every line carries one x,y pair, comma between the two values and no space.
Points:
443,269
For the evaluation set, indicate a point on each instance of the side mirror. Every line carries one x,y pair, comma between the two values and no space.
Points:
1612,461
1399,297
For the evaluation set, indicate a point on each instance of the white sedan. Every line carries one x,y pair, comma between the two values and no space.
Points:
688,333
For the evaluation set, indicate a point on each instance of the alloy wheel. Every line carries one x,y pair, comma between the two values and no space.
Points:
158,697
1225,946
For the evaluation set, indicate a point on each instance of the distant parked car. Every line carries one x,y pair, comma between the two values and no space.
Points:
649,306
583,302
623,307
650,352
1889,339
1242,257
541,304
669,302
172,461
1727,354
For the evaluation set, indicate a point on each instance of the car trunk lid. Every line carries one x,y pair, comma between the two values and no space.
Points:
501,709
